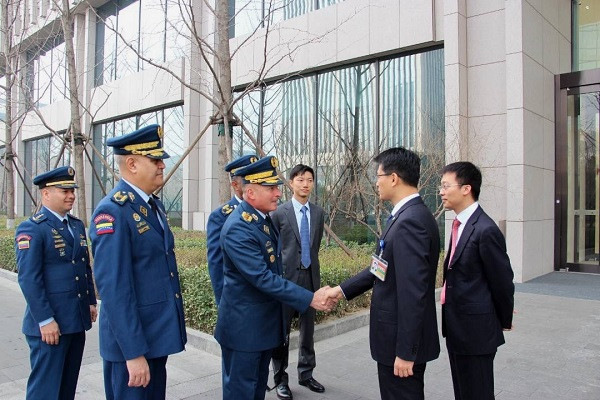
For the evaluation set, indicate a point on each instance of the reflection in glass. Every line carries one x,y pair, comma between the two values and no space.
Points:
152,30
583,166
127,42
586,34
248,110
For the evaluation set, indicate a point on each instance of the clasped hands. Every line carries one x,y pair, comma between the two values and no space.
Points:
326,298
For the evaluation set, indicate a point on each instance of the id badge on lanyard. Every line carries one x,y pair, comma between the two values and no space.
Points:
379,265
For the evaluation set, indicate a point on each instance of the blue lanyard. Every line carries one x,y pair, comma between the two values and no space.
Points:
381,246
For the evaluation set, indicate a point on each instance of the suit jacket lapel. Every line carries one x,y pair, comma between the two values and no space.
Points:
290,214
465,235
313,223
62,230
142,208
411,202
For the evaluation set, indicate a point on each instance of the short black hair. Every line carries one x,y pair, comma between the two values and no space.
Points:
466,174
403,162
300,169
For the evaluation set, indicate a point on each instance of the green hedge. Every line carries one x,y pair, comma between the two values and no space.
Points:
200,308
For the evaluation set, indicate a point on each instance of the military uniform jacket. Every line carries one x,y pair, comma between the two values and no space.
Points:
216,219
54,273
137,279
250,312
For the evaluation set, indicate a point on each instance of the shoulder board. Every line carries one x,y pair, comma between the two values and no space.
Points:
74,217
120,197
227,209
247,217
38,218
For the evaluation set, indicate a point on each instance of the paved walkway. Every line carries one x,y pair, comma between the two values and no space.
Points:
554,353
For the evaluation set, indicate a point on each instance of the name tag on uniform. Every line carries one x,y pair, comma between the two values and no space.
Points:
378,267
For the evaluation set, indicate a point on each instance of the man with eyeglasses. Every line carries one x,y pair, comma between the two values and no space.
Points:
478,293
403,328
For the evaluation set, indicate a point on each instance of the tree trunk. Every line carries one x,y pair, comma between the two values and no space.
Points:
8,148
75,126
226,97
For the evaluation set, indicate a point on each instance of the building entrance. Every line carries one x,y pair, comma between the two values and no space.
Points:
577,233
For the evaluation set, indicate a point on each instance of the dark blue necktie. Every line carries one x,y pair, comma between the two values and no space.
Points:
304,239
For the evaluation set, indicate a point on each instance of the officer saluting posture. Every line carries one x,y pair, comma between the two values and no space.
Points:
250,321
56,280
217,218
141,319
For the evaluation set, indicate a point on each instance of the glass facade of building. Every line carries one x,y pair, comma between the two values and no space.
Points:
586,34
337,121
171,119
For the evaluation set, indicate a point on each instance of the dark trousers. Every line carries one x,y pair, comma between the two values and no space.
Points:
116,377
472,376
392,387
244,374
306,350
54,368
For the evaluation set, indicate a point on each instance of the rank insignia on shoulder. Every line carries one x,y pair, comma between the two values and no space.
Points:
247,217
272,258
38,218
255,217
120,197
144,211
104,224
136,217
23,241
227,209
266,229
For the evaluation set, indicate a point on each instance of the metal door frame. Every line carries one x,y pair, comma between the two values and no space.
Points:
572,83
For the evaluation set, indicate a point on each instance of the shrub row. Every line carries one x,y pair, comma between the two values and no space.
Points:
200,307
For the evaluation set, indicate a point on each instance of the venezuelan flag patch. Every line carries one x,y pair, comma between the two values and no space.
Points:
104,224
23,241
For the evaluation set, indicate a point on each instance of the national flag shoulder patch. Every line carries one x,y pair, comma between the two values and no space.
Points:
104,224
23,241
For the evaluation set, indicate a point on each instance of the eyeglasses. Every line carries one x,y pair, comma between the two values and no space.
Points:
380,175
446,186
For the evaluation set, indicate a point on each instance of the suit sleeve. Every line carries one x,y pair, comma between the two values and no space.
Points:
214,253
30,267
244,251
411,245
114,278
498,273
358,284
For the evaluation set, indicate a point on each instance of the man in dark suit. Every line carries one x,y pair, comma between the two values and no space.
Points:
216,219
250,322
478,294
300,225
403,325
141,318
56,279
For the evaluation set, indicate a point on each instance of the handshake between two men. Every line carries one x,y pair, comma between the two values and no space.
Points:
326,298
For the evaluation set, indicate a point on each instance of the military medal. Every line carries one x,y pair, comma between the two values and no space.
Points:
144,211
136,217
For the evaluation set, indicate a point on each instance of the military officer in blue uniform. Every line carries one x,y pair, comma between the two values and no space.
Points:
141,318
250,321
56,279
217,218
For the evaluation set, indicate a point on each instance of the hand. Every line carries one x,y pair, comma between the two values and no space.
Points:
336,292
50,333
93,312
321,300
509,329
139,372
403,368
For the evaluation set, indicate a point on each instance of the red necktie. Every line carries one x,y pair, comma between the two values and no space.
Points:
455,225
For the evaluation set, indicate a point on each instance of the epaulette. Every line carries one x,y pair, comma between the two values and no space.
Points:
38,218
120,197
246,216
227,209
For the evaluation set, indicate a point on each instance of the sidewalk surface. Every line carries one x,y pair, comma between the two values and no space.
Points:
553,353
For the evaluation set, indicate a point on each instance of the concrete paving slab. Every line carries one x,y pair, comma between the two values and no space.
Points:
553,353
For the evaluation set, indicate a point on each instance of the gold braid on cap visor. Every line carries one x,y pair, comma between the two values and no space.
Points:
60,183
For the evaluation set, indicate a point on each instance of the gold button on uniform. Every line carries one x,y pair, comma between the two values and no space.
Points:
76,278
172,274
78,294
177,295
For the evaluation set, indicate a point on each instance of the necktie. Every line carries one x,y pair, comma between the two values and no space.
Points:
66,224
304,239
154,207
455,225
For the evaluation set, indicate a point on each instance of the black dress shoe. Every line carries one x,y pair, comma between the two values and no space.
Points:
283,391
313,385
